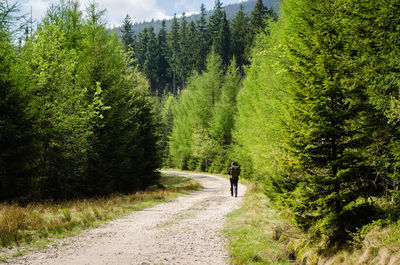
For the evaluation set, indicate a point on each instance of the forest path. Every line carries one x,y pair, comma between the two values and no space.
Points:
186,230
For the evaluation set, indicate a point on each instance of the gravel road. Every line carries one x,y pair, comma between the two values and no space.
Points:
186,230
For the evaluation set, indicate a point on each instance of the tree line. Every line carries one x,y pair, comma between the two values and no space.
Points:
76,118
168,59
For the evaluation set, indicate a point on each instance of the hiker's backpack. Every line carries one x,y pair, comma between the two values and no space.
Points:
235,171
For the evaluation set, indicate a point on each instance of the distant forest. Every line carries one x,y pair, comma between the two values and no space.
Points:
230,10
169,57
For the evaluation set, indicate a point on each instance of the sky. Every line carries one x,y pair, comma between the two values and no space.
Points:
139,10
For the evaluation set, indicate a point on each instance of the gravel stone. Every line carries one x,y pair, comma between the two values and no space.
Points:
186,230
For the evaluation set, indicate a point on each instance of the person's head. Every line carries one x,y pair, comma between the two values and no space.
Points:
232,164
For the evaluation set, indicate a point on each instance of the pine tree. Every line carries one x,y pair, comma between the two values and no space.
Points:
194,47
328,164
184,67
150,66
203,39
190,143
164,70
214,23
241,39
258,17
16,126
124,152
222,123
262,112
173,44
128,36
141,48
62,117
373,46
222,41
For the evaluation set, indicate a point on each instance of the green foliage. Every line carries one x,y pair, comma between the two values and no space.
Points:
128,34
315,132
191,119
241,38
183,50
201,137
254,230
16,132
88,125
262,111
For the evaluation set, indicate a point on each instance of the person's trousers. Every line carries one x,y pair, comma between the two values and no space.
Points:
234,186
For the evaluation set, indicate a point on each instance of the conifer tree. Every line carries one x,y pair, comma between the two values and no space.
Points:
16,132
327,163
128,36
184,66
222,123
241,39
173,44
194,47
372,48
214,22
124,140
222,41
57,101
164,70
258,17
151,67
141,48
203,39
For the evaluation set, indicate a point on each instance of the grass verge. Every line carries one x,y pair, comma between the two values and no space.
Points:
35,224
252,231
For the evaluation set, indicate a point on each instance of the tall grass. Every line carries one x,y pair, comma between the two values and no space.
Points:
253,232
259,234
22,225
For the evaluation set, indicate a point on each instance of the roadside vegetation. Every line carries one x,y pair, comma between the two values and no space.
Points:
254,230
30,224
260,232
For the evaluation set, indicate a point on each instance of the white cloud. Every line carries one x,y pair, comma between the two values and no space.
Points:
186,5
139,10
39,8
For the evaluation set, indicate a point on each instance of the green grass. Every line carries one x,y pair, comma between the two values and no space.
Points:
34,225
253,232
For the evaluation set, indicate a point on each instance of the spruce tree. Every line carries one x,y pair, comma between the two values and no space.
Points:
184,65
17,151
258,17
241,39
141,48
174,55
214,23
203,39
128,36
164,70
150,67
124,151
328,165
222,41
194,47
58,104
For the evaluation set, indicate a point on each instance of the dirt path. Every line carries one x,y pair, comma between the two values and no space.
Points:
187,230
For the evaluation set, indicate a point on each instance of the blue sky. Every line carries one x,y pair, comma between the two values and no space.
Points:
139,10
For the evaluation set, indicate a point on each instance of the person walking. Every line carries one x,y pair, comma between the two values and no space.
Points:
234,172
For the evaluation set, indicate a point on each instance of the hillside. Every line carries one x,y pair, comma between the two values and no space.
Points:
230,12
